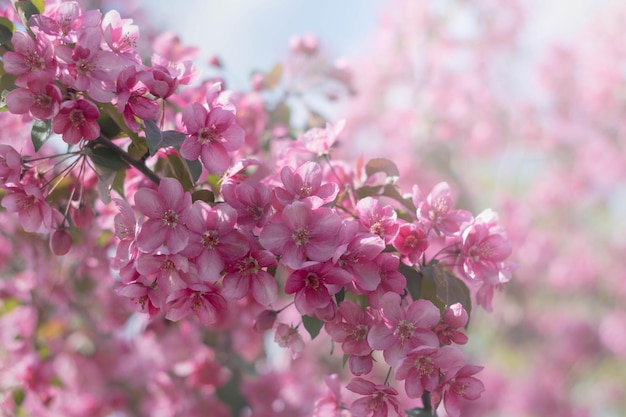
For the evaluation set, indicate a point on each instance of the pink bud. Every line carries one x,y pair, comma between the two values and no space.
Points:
265,320
60,242
215,61
82,216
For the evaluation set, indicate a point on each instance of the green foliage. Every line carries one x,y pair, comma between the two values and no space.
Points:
312,325
376,165
40,133
27,8
449,289
106,158
157,139
6,30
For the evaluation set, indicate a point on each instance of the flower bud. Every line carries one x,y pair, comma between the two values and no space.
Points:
60,242
265,320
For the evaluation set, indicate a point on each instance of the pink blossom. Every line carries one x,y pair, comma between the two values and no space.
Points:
65,21
358,260
119,34
300,233
422,366
318,140
377,400
146,297
403,329
201,300
167,270
305,183
167,211
42,99
28,202
10,165
248,275
377,219
212,134
31,58
131,100
87,68
159,81
77,119
360,364
314,286
390,279
411,241
330,404
483,251
252,202
458,383
436,210
288,336
351,328
450,329
213,239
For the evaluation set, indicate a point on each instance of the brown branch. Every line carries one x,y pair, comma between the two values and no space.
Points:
125,156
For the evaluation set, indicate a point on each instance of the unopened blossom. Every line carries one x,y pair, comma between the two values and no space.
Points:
76,120
42,99
30,58
201,300
436,210
212,134
166,209
60,242
376,400
160,82
401,330
458,382
300,233
305,183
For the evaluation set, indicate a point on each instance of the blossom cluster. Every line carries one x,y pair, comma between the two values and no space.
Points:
214,226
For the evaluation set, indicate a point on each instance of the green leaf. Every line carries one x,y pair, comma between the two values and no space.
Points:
382,165
312,325
413,280
204,195
176,168
27,8
6,30
281,114
341,295
449,288
40,133
418,412
106,158
18,396
158,139
105,183
195,169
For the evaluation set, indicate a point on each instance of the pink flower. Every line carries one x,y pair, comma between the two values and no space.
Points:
77,119
65,20
87,68
167,270
318,140
30,58
411,241
458,383
305,183
402,330
330,404
377,400
288,336
167,210
422,366
378,220
483,251
42,99
436,210
390,279
10,165
131,100
352,328
252,202
248,275
300,233
358,260
314,286
30,205
144,295
159,81
201,300
212,134
119,34
213,239
449,330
